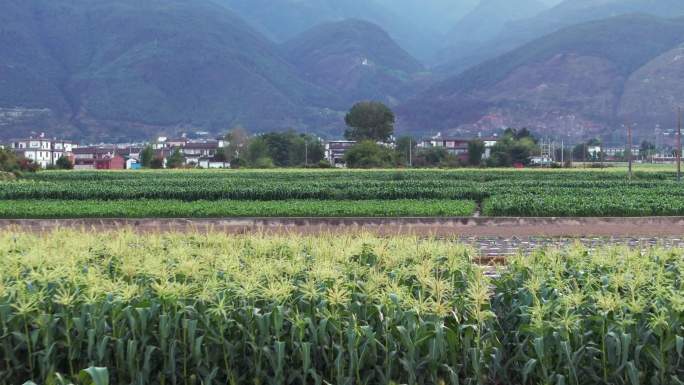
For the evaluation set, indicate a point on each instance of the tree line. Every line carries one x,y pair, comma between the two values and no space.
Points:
372,126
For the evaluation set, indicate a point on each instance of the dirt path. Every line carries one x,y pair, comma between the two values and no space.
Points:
482,227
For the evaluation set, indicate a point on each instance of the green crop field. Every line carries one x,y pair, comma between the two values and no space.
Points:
291,193
218,309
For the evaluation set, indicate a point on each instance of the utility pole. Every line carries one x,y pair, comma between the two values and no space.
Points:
410,152
306,148
562,153
629,149
679,144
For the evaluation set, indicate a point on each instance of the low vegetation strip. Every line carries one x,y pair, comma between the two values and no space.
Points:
57,209
217,309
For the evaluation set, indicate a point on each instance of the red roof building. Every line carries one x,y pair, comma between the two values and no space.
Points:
115,162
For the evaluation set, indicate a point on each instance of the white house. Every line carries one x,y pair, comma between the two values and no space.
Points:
41,150
208,163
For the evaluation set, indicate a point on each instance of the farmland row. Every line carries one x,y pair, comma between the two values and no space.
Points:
217,309
143,208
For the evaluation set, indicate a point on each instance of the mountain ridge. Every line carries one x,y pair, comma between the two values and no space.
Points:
577,73
567,13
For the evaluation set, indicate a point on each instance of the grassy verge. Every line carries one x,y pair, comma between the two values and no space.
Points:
43,209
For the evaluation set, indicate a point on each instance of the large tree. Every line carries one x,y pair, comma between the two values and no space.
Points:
369,121
516,147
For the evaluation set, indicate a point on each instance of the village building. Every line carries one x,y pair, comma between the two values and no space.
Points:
458,146
98,158
335,151
41,150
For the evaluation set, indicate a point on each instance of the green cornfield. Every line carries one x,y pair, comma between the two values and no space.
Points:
269,193
338,309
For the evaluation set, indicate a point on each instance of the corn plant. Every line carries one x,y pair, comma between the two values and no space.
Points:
217,309
612,316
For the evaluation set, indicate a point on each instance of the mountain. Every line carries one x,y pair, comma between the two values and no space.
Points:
356,58
281,20
439,15
110,69
490,17
517,32
653,92
480,26
571,82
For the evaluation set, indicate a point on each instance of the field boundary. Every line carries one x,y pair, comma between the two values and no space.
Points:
457,226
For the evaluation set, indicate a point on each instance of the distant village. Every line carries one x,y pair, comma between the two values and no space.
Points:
203,151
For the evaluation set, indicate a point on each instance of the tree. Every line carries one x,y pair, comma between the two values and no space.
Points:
237,163
368,154
157,162
176,160
237,141
520,134
647,149
435,157
146,157
594,142
305,150
476,149
513,149
64,163
285,149
257,152
369,121
278,147
580,153
264,162
9,161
